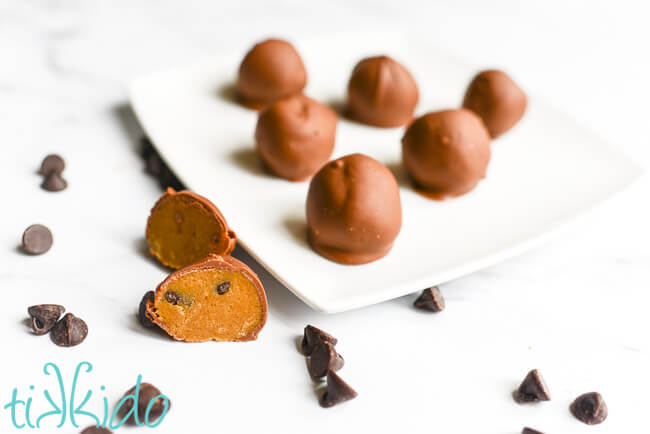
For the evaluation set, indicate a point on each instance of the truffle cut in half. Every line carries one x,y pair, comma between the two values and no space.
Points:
184,227
218,298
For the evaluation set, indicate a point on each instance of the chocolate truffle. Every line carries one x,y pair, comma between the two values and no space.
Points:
446,153
354,211
219,298
381,92
497,100
271,70
184,227
295,136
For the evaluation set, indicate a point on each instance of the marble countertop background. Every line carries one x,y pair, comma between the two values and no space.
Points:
575,308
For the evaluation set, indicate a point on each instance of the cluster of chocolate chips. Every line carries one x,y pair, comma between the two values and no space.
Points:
319,345
589,408
68,331
156,167
52,170
430,300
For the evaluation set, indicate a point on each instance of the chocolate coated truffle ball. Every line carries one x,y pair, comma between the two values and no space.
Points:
354,212
446,153
295,136
381,92
497,100
271,70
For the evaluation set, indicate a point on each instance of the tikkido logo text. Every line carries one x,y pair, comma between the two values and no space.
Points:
68,406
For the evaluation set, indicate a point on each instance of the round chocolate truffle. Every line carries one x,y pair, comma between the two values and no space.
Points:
295,136
446,153
271,70
354,211
381,92
497,100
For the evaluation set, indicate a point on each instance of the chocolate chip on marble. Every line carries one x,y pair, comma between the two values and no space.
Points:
223,287
44,316
54,182
52,163
142,310
527,430
337,391
324,358
146,394
590,408
69,331
312,336
431,300
96,430
532,389
37,239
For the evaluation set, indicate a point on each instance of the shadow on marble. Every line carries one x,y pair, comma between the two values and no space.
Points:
399,172
130,125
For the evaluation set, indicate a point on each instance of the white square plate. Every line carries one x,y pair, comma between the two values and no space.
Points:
543,173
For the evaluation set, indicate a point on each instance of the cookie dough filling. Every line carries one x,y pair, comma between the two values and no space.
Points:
219,298
184,228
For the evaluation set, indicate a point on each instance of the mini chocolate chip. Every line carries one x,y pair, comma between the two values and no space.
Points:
44,316
312,336
532,389
51,163
147,393
431,299
324,358
173,297
37,239
69,331
142,310
96,430
54,182
527,430
590,408
223,287
338,391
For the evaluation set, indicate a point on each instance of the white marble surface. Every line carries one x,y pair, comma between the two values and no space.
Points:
576,308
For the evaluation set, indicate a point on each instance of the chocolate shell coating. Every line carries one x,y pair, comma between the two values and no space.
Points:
184,227
295,136
381,92
271,70
354,211
446,153
497,100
